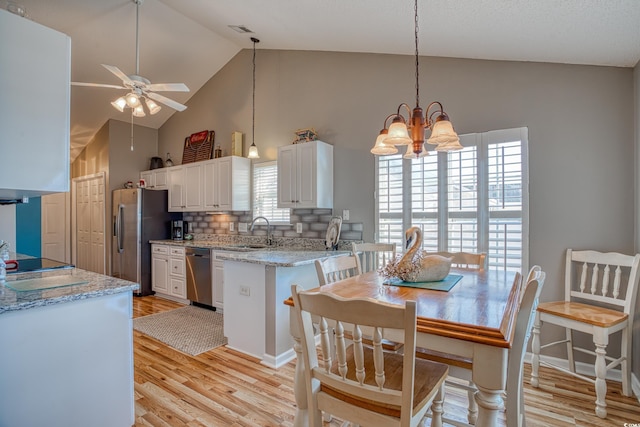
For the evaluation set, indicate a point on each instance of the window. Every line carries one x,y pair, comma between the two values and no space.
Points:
472,200
265,193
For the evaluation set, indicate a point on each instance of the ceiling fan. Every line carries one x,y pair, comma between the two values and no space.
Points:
140,88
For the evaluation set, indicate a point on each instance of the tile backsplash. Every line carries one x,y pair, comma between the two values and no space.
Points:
314,224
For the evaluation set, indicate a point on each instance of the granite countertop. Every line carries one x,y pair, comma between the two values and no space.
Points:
98,285
278,256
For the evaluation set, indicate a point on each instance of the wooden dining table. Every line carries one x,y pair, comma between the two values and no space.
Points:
475,319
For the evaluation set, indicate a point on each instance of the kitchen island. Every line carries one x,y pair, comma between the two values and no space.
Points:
256,284
66,353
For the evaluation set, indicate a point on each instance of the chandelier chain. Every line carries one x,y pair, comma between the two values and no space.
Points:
417,61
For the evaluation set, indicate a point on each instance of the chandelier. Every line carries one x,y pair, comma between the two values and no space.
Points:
410,131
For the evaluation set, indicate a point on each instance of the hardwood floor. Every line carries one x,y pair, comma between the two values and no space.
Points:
225,388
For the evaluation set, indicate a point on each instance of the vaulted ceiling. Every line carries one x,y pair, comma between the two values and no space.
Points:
189,41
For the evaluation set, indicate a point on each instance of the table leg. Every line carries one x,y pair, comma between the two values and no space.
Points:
489,404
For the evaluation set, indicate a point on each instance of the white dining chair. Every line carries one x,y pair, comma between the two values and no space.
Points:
374,256
461,368
363,385
600,300
332,269
475,261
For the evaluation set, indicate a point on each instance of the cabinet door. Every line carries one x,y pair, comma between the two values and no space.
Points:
35,70
149,179
223,184
193,188
217,276
160,180
287,171
306,164
160,274
209,186
176,189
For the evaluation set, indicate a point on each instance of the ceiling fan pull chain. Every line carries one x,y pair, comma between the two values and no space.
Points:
132,130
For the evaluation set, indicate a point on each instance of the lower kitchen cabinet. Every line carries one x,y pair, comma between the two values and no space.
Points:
168,273
217,279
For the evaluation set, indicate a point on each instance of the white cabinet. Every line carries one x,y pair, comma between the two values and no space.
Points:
177,273
160,269
227,184
221,184
168,273
176,189
155,179
35,70
305,175
185,188
217,280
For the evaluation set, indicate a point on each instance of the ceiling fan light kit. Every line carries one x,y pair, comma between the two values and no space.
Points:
142,93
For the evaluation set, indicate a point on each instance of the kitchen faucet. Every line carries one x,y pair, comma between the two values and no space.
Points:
269,239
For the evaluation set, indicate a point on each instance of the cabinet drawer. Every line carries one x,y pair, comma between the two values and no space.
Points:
176,267
177,251
159,249
178,288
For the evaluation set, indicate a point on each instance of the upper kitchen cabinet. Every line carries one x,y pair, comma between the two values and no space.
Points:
305,175
155,179
185,188
35,76
227,184
221,184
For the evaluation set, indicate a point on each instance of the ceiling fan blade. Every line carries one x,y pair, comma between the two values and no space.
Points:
168,87
115,70
166,101
97,85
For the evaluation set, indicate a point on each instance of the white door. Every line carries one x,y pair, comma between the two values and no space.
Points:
89,222
97,202
55,227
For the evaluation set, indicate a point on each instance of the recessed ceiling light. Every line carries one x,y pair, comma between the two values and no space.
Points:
240,28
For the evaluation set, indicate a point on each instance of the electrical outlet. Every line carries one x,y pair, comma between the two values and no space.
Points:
242,227
232,226
245,290
299,227
345,214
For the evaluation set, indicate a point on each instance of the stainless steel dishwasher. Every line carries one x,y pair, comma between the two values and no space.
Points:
199,287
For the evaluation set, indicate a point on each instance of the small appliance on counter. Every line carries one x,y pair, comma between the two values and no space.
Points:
178,229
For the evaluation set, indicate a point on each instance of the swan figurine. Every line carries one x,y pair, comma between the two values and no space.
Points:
415,265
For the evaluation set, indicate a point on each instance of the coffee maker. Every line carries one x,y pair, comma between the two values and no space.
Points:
178,229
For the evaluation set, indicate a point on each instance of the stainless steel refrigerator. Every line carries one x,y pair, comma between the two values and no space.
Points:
139,215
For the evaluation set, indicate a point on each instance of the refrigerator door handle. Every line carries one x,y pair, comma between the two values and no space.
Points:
118,229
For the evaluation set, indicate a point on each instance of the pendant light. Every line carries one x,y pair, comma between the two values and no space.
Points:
411,131
253,150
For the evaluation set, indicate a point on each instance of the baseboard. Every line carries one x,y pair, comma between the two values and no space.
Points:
589,370
278,361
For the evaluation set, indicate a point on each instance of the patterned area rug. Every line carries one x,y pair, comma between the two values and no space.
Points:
192,330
